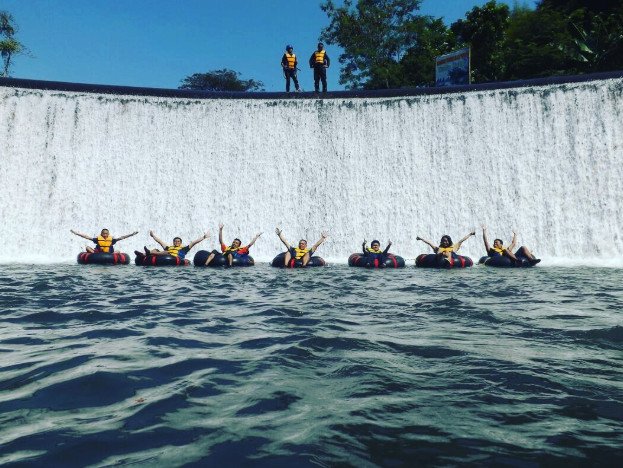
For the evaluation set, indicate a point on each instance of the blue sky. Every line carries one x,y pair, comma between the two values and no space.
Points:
156,43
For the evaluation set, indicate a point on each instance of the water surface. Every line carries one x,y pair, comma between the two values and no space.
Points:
318,367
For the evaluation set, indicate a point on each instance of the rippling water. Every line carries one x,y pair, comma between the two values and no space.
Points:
266,367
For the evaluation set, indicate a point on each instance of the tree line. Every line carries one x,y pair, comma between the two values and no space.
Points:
387,44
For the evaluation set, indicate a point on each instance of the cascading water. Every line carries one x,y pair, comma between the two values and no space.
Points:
544,160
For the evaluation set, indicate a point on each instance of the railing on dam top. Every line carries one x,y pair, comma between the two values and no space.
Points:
191,94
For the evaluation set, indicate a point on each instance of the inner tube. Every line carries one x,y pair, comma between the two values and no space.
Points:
278,262
434,261
103,258
220,260
502,261
363,261
159,260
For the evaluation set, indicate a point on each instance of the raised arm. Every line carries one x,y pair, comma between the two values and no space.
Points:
196,241
484,238
154,237
126,236
279,232
323,237
513,243
363,247
257,236
220,233
79,234
460,243
432,246
389,244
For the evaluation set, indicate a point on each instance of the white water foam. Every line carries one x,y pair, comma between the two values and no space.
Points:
546,161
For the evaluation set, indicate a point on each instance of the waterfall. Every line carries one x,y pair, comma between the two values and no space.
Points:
544,160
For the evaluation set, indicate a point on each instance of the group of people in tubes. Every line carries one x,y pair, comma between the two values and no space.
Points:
444,255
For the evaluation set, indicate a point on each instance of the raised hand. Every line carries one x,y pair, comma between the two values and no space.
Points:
324,234
151,233
278,231
389,242
418,238
206,235
221,226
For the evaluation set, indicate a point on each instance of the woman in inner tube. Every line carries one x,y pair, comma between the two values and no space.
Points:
446,249
499,249
235,250
375,252
104,242
301,252
176,250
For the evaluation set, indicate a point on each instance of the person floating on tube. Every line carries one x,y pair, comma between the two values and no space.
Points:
499,249
234,250
301,252
104,242
446,249
175,250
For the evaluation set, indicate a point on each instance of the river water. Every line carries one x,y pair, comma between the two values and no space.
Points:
318,367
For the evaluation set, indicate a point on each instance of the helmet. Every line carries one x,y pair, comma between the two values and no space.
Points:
288,47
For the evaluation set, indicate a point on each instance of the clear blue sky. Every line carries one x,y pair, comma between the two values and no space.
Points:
156,43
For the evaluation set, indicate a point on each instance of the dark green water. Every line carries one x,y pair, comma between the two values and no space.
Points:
317,367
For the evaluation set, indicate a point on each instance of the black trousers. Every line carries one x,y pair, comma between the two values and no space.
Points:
290,73
320,74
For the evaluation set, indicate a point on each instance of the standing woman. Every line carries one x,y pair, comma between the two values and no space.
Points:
104,242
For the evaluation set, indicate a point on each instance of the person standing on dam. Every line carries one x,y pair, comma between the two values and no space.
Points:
320,61
289,65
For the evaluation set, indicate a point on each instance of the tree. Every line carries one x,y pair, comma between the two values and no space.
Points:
433,39
375,36
220,80
484,30
9,46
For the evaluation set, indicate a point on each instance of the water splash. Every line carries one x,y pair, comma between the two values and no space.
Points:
543,160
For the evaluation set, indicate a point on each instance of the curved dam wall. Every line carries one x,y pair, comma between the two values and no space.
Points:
544,158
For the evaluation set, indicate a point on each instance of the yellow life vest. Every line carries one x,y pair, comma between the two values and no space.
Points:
374,251
291,58
319,57
230,249
445,249
174,251
300,253
500,251
104,244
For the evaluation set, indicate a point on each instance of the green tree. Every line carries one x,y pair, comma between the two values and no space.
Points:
433,39
9,45
375,36
535,44
484,30
220,80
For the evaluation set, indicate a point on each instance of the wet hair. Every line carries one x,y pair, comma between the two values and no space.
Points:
105,230
500,240
375,242
303,240
236,239
446,236
175,238
320,44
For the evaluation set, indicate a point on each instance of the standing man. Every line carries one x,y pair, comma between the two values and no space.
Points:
320,61
289,65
